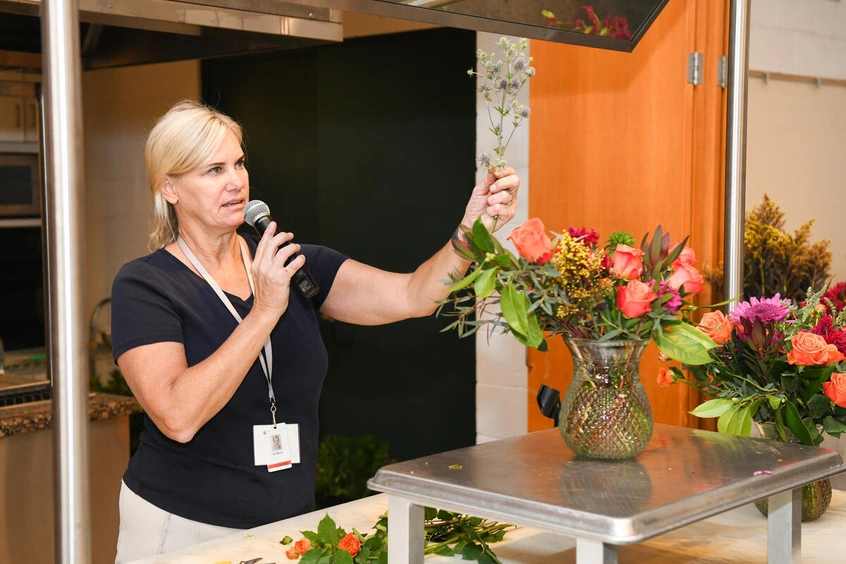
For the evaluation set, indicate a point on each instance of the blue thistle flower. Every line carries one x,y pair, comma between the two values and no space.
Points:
520,63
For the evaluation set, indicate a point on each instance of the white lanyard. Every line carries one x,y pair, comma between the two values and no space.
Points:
266,360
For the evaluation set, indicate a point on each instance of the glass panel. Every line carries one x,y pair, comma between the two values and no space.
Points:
606,24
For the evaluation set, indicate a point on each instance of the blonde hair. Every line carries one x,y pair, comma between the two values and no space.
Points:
182,140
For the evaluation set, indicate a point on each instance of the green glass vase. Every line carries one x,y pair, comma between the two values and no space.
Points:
605,413
816,496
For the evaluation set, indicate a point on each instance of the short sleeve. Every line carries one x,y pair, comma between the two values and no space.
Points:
142,312
323,263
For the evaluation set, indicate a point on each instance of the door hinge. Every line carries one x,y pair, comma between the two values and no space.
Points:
694,68
723,72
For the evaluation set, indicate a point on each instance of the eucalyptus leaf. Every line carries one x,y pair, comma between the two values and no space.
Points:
713,408
466,281
796,424
514,309
726,421
685,344
485,284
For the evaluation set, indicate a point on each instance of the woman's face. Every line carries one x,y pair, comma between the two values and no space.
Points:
213,196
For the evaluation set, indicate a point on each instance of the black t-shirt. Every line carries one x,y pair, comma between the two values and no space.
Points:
212,478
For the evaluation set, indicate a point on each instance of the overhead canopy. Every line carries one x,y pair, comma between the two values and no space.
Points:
129,32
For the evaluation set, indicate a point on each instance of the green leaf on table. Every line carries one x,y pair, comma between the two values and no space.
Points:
343,557
328,531
485,283
312,537
444,550
685,344
471,551
317,556
713,408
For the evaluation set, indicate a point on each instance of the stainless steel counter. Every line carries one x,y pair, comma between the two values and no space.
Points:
683,476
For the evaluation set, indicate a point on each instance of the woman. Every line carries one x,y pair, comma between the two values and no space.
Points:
223,356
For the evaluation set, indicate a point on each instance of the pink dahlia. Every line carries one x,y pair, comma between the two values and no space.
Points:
766,310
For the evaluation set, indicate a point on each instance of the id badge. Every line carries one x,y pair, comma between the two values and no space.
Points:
271,447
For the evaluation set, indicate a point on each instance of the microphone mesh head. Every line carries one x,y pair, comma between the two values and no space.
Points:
254,210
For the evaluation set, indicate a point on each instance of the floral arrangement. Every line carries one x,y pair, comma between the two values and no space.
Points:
446,534
570,285
500,81
777,362
777,261
616,26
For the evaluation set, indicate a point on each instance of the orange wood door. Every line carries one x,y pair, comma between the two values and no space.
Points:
621,141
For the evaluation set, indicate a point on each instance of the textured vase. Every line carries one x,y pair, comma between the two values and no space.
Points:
816,496
605,413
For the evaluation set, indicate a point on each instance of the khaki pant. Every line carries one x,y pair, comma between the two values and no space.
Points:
146,530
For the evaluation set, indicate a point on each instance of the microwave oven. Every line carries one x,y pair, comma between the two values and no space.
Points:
20,186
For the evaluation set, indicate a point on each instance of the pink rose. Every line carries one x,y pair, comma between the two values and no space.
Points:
532,242
687,276
635,298
686,257
835,389
627,262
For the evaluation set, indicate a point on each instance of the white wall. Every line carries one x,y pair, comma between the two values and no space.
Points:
797,131
119,108
501,373
805,37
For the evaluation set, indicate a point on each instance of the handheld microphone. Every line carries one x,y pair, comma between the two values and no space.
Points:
257,214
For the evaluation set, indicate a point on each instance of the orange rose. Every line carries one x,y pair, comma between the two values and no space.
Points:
665,377
717,326
810,349
292,554
302,546
635,298
627,262
686,257
835,389
532,242
687,276
350,543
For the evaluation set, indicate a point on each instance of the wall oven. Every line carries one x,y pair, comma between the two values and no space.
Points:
20,185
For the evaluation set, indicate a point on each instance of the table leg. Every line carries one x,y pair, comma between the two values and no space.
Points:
405,539
590,551
784,527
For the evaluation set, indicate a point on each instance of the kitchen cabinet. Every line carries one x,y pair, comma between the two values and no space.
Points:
19,119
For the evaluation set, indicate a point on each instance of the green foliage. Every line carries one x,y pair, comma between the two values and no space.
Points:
776,261
573,293
345,464
115,385
445,533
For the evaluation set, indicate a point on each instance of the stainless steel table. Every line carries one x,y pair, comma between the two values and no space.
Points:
683,476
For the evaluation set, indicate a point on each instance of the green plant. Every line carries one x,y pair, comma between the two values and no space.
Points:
344,465
446,534
776,261
499,83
